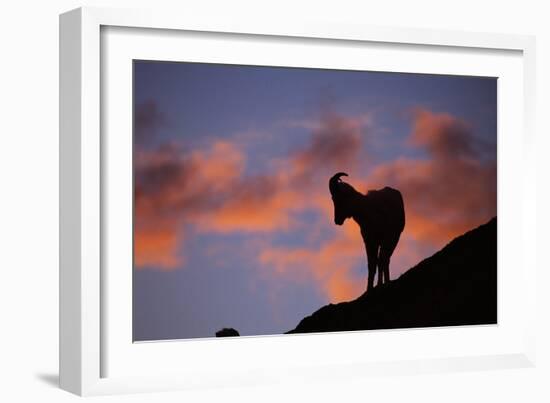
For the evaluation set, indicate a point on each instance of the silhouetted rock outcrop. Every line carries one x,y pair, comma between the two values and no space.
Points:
227,332
455,286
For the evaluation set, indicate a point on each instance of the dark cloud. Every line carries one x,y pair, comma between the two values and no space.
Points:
207,187
148,119
172,184
451,191
444,136
335,144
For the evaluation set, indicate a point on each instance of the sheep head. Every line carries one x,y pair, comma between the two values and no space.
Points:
338,192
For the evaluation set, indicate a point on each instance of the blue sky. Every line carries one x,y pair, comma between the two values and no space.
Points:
233,222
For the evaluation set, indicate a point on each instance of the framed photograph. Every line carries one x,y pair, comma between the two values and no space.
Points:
254,202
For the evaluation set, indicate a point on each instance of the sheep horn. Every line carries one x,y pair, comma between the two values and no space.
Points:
334,181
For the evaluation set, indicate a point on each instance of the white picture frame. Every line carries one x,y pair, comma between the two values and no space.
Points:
90,339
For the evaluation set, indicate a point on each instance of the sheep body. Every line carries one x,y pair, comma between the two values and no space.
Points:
380,215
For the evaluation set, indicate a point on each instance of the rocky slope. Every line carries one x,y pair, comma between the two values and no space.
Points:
455,286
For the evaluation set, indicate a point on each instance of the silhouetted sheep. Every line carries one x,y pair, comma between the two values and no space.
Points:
380,215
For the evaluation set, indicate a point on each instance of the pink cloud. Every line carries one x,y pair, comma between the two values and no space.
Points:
449,191
446,194
172,186
328,266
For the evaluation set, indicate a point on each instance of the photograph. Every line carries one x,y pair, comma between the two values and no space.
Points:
275,200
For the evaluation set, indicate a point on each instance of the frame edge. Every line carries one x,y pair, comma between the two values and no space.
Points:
79,345
70,118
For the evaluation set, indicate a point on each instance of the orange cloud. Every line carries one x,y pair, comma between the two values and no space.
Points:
267,203
252,206
443,135
453,190
208,189
447,192
329,265
171,186
157,246
219,165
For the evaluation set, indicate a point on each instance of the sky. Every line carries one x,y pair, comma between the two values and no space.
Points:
233,219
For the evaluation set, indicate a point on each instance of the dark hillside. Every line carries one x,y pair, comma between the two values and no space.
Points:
455,286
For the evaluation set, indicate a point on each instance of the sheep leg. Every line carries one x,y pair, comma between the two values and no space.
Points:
372,262
386,250
383,269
